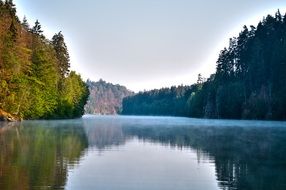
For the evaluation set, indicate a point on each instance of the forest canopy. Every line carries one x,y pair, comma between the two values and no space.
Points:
35,80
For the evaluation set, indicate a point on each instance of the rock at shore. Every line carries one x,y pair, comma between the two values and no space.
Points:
4,116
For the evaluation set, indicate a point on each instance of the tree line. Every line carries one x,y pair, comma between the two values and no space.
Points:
35,80
164,102
249,82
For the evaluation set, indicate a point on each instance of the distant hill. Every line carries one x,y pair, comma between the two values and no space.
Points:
105,98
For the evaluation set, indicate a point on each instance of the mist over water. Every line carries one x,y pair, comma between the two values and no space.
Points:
114,152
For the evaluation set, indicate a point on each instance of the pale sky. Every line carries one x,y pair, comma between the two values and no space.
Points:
146,44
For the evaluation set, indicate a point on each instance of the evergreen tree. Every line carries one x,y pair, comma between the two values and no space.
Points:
61,53
11,7
37,29
25,23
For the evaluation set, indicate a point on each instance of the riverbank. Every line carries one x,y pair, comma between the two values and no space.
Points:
5,116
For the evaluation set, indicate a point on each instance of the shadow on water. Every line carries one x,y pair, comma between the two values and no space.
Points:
39,154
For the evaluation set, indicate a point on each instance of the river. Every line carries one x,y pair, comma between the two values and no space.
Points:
143,153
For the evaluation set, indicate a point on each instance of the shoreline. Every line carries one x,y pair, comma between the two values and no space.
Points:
5,116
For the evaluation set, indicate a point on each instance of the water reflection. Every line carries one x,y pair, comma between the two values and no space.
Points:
40,154
103,132
35,155
245,158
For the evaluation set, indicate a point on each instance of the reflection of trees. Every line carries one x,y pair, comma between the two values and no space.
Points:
37,154
245,158
37,157
103,133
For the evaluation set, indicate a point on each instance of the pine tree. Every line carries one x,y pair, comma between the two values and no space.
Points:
25,23
37,29
200,79
62,54
11,7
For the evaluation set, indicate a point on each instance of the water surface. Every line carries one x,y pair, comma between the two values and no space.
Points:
144,153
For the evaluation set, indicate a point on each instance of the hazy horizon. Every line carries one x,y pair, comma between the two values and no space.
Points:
146,44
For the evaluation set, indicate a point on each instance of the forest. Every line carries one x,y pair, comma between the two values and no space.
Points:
162,102
249,82
35,77
36,81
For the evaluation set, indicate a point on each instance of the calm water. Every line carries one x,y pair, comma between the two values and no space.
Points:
144,153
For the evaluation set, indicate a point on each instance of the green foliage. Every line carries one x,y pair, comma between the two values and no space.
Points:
34,83
73,97
61,53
